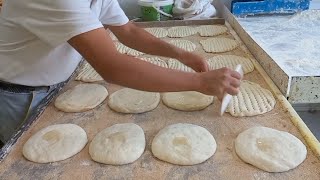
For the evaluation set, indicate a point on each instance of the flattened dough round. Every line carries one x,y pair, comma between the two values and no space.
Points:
177,65
252,100
269,149
181,31
183,144
82,97
133,101
187,100
230,61
211,30
88,74
126,50
218,45
55,143
119,144
184,44
157,32
155,60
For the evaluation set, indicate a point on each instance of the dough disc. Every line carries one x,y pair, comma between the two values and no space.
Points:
55,143
218,45
187,100
133,101
181,31
269,149
88,74
183,144
184,44
230,61
155,60
211,30
157,32
118,144
177,65
82,97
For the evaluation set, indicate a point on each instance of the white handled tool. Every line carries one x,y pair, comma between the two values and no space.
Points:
227,97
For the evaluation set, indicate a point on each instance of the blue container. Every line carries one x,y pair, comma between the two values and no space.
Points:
259,7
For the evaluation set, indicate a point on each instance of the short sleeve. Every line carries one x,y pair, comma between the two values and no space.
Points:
57,21
112,14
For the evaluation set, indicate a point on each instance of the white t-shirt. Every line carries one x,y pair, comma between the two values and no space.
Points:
34,34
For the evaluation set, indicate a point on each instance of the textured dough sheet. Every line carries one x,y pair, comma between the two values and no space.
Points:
218,45
157,32
181,31
155,60
211,30
252,100
230,61
88,74
184,44
177,65
126,50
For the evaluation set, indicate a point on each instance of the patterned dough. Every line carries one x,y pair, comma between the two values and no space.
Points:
252,100
181,31
126,50
184,44
217,45
177,65
230,61
211,30
155,60
157,32
88,74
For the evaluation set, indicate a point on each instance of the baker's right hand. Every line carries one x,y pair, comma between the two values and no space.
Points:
219,81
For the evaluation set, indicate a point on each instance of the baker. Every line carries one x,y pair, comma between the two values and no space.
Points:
43,41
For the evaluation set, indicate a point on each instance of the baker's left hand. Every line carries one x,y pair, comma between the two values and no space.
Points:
194,61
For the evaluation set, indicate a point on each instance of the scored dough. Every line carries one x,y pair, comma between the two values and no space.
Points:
187,100
217,45
126,50
269,149
211,30
184,44
155,60
181,31
183,144
119,144
133,101
157,32
82,97
55,143
177,65
230,61
88,74
252,100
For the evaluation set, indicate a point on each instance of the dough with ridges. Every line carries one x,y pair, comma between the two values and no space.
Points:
157,32
230,61
218,45
88,74
184,44
211,30
181,31
155,60
177,65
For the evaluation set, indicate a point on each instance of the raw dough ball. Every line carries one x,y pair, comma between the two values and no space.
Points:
184,44
157,32
230,61
252,100
269,149
88,74
55,143
177,65
82,97
118,144
187,100
211,30
183,144
218,45
181,31
133,101
155,60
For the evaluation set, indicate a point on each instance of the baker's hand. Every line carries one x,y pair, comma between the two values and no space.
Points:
219,81
194,61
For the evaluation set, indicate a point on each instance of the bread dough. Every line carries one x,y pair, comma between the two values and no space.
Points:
181,31
55,143
133,101
187,100
126,50
211,30
133,52
269,149
252,100
88,74
218,45
183,144
157,32
82,97
155,60
119,144
230,61
184,44
177,65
